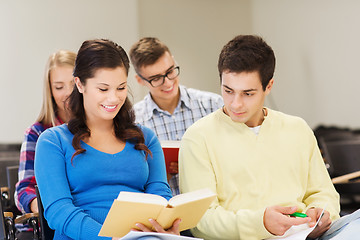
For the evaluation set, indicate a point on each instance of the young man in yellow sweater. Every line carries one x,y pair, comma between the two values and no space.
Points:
263,164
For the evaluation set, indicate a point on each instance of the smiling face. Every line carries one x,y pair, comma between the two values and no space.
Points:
170,89
62,84
104,94
244,97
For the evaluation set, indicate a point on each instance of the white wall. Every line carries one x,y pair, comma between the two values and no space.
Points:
31,30
195,32
316,44
317,48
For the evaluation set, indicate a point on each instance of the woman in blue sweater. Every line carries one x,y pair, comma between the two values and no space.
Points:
82,166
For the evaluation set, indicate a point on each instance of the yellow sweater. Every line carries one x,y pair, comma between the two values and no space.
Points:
280,166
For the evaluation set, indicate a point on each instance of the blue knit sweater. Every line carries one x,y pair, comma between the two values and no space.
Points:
77,195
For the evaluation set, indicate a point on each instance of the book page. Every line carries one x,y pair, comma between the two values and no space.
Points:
191,196
170,144
163,236
190,210
298,232
142,198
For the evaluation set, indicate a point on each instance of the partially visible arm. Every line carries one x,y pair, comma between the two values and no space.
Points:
34,206
25,187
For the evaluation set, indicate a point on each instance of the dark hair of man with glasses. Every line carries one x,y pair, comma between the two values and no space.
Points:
169,108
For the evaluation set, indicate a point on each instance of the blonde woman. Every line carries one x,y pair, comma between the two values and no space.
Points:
58,85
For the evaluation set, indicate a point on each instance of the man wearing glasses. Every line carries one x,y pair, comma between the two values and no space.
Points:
169,108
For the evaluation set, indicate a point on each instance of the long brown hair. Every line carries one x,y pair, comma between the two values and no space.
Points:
92,56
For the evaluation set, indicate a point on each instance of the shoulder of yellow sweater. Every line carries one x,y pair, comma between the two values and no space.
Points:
287,118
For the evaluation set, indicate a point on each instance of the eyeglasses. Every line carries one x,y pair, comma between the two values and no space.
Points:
159,80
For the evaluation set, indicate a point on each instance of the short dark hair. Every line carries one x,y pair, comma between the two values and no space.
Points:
248,53
146,52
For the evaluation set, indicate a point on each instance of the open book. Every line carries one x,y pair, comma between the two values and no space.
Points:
171,153
131,208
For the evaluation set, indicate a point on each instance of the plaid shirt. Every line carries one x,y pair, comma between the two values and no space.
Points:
25,187
193,105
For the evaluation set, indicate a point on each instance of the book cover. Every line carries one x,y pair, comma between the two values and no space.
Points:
171,153
131,208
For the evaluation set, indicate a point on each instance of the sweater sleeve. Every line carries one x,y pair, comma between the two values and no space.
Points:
320,191
59,209
196,172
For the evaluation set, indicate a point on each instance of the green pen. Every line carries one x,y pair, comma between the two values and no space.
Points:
298,214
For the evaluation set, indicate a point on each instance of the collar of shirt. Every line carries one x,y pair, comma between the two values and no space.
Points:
58,120
152,107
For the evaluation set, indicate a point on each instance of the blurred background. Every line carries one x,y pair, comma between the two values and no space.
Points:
317,45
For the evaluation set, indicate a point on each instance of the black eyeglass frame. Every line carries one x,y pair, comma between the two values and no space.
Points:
163,76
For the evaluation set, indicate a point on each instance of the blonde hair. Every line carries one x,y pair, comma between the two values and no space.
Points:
48,110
